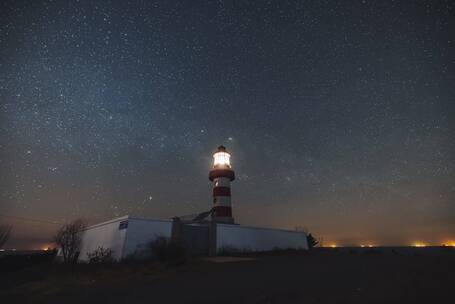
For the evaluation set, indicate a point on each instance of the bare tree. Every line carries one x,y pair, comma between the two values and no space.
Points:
5,231
312,242
68,238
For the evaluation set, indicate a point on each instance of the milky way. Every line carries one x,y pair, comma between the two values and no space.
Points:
339,115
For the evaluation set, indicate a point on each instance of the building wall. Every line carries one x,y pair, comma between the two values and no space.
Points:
142,231
246,238
195,239
127,236
107,235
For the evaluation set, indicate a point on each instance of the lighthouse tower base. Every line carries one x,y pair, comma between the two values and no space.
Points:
223,219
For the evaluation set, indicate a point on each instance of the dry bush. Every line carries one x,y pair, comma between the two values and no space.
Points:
165,250
69,238
5,232
101,255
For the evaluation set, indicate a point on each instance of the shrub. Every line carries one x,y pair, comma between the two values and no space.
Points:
100,255
165,250
229,250
5,232
312,242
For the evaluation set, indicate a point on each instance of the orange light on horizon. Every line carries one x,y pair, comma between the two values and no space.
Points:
46,247
333,246
419,244
367,245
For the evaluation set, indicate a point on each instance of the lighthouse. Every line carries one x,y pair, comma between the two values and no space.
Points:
221,175
125,235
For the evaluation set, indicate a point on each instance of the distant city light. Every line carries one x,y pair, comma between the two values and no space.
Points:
333,246
47,247
419,244
368,245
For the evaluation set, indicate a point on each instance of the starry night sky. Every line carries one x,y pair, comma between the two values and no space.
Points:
340,116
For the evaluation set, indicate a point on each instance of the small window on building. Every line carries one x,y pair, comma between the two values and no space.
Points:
123,225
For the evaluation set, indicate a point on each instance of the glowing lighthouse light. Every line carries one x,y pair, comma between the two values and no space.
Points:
221,159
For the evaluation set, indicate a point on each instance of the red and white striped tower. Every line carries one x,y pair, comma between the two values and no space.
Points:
221,175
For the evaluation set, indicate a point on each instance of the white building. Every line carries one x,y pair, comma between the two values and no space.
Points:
130,236
124,236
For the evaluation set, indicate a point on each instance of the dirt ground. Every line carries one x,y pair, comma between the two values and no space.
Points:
322,276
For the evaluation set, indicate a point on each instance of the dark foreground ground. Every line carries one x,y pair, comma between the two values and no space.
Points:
321,276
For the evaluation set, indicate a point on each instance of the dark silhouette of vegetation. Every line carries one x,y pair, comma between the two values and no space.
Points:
16,262
168,251
100,255
312,242
68,238
373,251
5,232
231,250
